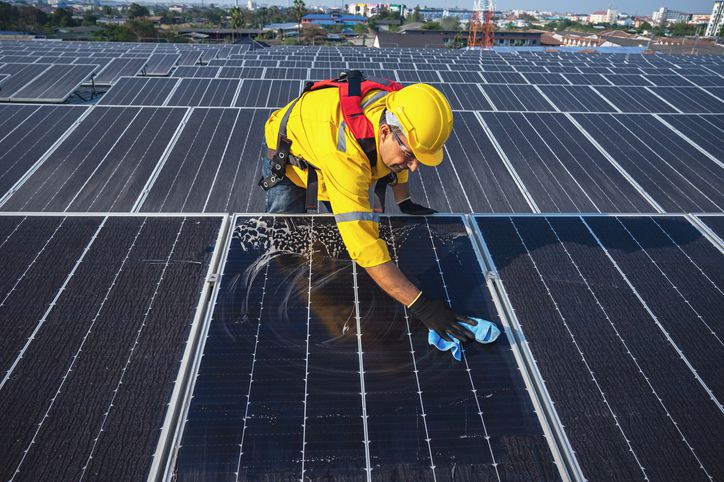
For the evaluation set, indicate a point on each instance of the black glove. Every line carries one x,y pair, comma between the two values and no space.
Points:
409,207
437,315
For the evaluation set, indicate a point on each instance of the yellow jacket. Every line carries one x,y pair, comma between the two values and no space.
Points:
318,136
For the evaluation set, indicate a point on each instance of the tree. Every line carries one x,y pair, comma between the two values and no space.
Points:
431,26
237,17
135,11
450,23
299,10
416,17
62,17
312,34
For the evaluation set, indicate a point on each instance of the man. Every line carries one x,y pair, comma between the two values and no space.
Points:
411,126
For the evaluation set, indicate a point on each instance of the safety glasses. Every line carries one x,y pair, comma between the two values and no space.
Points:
409,156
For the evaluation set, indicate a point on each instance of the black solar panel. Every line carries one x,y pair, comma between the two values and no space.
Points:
363,393
625,337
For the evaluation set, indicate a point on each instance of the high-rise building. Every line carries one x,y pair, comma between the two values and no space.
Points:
716,21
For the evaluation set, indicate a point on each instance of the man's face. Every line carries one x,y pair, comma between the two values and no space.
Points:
395,152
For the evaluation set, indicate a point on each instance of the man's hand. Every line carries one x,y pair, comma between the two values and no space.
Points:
437,315
409,207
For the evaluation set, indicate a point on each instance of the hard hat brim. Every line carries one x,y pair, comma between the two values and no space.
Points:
430,159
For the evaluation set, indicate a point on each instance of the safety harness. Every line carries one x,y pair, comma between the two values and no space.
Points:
352,86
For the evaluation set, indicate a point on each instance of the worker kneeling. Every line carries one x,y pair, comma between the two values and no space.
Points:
338,140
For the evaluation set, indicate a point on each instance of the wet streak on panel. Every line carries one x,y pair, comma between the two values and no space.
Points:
688,306
36,256
272,445
334,436
577,398
108,370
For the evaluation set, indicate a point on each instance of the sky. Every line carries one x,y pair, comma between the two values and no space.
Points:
636,7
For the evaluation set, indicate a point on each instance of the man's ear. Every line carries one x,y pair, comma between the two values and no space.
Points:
384,131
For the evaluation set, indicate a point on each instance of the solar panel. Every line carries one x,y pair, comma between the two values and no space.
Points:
267,93
516,97
91,357
620,316
161,64
705,131
331,378
635,99
19,75
103,165
214,166
576,98
28,132
690,99
139,91
562,171
204,92
119,67
678,177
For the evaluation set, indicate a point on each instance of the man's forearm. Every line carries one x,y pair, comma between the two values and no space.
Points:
394,282
401,190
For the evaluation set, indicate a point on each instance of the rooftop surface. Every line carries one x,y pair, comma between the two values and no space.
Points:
159,326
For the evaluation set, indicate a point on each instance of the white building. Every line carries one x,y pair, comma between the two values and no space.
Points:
716,21
665,15
603,16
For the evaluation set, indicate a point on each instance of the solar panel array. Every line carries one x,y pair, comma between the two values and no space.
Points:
160,342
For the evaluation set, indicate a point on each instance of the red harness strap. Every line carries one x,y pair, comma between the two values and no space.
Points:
352,88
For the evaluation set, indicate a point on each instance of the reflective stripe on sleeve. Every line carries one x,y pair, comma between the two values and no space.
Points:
356,216
341,140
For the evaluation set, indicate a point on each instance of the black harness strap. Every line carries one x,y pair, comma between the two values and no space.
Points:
282,157
378,198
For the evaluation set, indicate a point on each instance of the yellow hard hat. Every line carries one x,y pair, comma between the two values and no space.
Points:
426,119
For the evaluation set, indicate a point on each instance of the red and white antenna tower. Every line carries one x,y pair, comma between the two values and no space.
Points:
481,28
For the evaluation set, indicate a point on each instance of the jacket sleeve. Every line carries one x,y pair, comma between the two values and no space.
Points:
348,190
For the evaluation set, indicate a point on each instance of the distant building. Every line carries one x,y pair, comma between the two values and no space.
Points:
665,15
603,16
323,20
177,8
372,9
716,21
251,5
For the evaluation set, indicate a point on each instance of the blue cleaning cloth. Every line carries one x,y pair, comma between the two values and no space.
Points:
485,332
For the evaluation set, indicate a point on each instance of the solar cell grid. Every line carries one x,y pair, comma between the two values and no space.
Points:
704,131
678,177
584,307
347,427
108,414
516,97
214,165
635,99
690,99
204,92
103,165
139,91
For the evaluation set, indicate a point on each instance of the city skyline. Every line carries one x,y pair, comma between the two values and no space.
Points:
641,7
